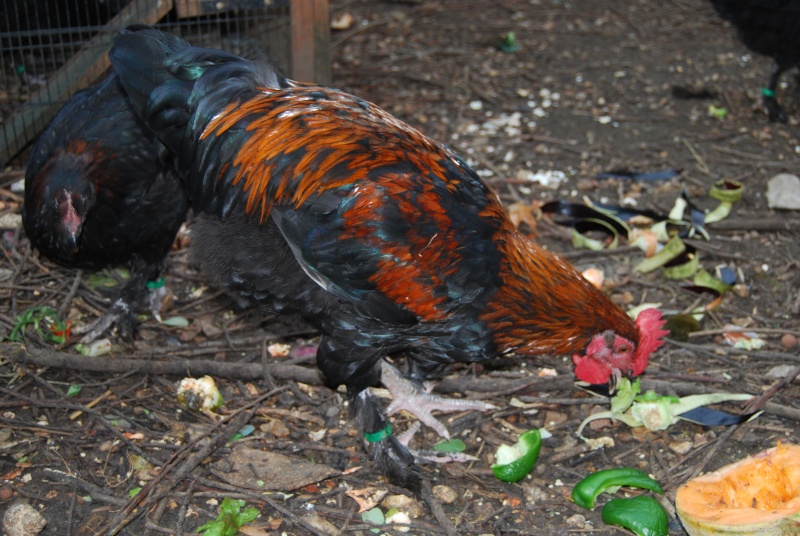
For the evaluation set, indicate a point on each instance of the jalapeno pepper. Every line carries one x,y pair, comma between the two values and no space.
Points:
586,491
515,462
643,515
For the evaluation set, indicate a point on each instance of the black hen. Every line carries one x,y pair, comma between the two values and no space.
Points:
100,190
771,28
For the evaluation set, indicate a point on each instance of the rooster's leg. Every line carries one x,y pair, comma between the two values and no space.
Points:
776,113
384,447
409,396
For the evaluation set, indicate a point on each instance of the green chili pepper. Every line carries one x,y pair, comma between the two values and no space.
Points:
586,491
515,462
643,515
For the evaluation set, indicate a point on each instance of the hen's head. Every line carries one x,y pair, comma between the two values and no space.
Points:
610,355
58,200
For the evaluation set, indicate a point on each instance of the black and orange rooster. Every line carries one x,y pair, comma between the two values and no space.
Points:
771,28
100,190
316,203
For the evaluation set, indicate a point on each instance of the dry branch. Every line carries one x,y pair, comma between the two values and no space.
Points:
176,367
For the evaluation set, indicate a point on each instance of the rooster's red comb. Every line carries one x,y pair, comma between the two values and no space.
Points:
649,324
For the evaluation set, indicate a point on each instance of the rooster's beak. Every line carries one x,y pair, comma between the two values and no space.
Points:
613,381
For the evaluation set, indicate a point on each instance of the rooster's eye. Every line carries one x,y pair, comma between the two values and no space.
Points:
624,349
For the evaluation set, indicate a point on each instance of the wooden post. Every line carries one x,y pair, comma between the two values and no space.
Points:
311,42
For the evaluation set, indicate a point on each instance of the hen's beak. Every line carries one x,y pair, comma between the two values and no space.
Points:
71,224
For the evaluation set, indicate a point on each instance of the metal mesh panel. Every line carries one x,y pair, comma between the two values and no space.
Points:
52,48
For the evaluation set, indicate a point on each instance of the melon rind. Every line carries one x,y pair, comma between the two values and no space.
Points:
721,502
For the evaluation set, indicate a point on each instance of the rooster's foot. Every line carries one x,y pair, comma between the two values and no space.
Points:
409,396
120,315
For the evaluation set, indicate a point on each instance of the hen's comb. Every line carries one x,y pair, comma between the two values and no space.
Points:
649,324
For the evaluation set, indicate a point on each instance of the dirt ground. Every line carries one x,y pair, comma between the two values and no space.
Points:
591,90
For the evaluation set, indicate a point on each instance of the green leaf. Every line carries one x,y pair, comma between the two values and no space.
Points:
509,43
248,515
100,280
231,506
230,519
176,322
374,516
54,331
626,392
74,390
134,492
717,112
453,445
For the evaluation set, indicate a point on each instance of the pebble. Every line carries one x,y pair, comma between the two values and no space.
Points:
577,521
783,191
22,519
446,494
788,341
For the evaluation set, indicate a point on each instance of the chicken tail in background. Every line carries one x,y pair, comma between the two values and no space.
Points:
100,190
314,203
770,28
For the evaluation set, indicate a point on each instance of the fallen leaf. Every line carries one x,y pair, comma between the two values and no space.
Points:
246,467
367,498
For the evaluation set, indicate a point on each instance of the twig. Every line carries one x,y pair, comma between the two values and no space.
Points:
70,294
764,225
182,462
192,367
187,497
73,499
712,452
702,166
436,509
607,252
704,246
96,492
237,492
64,405
757,403
737,329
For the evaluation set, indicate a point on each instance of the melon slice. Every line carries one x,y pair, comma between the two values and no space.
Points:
759,495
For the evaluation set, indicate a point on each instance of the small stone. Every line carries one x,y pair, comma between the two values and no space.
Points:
788,341
680,447
577,521
783,192
446,494
779,371
534,493
404,504
22,519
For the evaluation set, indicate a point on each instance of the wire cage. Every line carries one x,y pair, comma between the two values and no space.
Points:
52,48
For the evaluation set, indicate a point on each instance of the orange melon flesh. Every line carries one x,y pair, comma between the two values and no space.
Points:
757,495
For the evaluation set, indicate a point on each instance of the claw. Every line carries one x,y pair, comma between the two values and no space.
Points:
407,395
116,315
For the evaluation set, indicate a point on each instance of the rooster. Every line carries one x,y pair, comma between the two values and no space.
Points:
771,28
315,203
100,190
